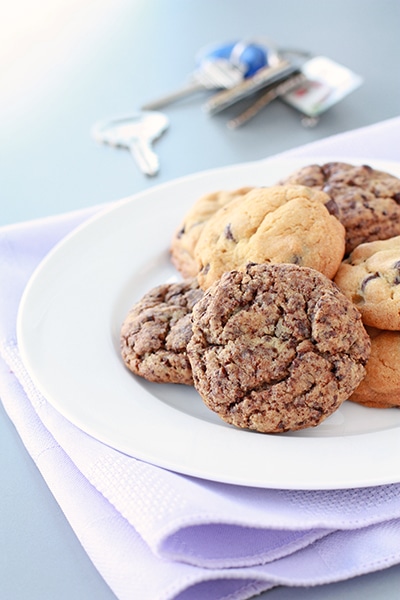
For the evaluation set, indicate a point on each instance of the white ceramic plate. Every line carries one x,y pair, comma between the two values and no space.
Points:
68,334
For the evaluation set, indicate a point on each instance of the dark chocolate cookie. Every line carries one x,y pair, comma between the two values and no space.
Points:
276,348
368,200
156,331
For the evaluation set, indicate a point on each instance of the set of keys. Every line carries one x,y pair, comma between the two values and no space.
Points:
223,67
234,71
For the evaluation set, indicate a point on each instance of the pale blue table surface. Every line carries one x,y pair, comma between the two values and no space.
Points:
66,64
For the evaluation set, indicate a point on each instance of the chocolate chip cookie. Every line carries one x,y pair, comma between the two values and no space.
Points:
368,199
276,347
279,224
370,277
155,333
381,386
185,238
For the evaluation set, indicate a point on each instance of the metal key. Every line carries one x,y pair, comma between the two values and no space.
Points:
212,74
136,132
220,66
263,78
266,98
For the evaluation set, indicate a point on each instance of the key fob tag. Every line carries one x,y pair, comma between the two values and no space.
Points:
327,82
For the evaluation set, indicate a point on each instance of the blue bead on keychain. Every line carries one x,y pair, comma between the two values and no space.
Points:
249,56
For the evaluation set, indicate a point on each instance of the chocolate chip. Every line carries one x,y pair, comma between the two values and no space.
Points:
180,232
396,198
228,233
396,279
367,279
296,260
249,265
332,207
367,168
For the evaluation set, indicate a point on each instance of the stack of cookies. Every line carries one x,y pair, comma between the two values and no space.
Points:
289,304
369,208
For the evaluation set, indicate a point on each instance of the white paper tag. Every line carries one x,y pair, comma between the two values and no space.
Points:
327,82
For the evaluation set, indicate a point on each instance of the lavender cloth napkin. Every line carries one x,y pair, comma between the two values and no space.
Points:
158,535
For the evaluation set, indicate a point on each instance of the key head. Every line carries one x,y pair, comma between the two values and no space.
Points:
253,56
123,131
246,55
218,74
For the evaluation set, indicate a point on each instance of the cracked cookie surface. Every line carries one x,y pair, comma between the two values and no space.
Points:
278,224
370,277
368,199
276,348
155,333
185,238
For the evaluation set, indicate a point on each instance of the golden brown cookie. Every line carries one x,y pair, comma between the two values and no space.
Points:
276,348
279,224
368,199
185,238
155,333
370,277
381,386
